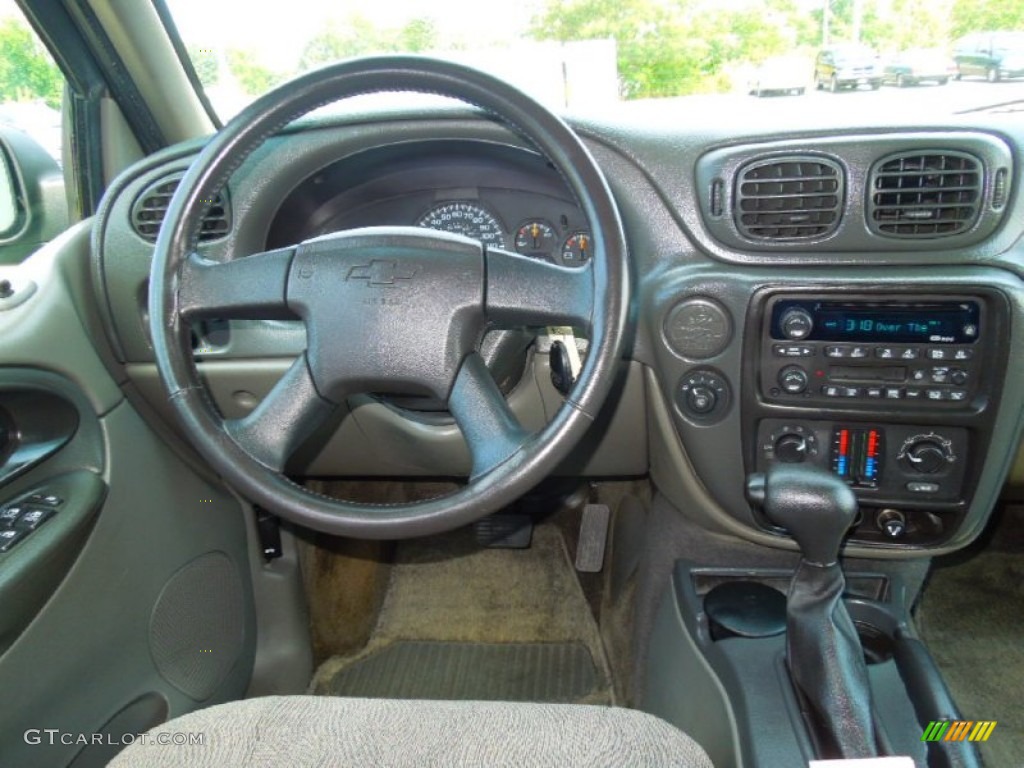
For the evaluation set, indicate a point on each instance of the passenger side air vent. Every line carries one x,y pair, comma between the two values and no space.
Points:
150,207
925,194
789,198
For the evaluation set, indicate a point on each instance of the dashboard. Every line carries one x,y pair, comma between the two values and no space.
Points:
847,296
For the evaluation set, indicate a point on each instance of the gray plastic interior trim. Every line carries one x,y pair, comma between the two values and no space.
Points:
374,439
683,689
283,664
857,157
667,152
135,31
120,147
674,475
152,523
719,462
45,331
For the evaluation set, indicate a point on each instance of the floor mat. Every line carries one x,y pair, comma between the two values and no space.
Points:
549,672
972,618
464,622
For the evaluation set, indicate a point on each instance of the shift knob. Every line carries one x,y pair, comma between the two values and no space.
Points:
815,506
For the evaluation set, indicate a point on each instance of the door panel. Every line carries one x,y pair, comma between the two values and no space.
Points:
132,602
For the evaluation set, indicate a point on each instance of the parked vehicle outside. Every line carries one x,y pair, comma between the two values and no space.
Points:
992,55
919,65
779,75
847,66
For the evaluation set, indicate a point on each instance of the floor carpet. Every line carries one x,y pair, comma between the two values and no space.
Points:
972,618
463,622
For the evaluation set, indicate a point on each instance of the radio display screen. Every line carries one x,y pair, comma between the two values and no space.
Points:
931,323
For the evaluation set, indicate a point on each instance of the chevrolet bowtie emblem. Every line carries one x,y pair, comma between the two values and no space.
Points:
382,272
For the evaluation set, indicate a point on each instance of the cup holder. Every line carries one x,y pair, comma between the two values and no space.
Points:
876,628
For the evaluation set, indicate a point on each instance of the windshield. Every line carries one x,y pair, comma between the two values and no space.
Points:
595,55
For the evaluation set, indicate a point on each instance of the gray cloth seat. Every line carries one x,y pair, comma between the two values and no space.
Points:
336,732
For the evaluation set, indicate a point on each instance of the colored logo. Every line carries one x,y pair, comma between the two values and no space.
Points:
958,730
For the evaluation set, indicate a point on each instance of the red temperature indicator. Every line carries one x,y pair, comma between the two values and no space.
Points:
857,455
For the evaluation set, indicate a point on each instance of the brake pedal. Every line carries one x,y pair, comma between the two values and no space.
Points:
593,538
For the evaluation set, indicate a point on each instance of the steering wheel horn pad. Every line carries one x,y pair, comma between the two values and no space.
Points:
390,310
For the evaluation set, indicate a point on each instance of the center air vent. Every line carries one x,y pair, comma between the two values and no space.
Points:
151,206
925,194
789,198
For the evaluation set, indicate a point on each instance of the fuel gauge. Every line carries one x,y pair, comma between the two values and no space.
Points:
536,238
577,249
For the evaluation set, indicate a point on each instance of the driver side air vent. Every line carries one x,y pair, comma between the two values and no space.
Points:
150,207
789,198
925,194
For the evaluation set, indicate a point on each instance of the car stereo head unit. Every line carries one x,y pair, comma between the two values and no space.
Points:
941,322
924,351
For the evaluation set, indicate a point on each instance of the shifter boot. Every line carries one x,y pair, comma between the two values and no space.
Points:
823,652
826,661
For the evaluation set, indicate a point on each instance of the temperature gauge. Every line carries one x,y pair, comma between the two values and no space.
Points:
536,238
577,249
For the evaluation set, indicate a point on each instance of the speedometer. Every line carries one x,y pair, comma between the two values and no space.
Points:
467,219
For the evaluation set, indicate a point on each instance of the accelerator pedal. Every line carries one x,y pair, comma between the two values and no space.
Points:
593,538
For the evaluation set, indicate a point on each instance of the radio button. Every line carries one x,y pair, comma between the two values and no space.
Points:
910,353
836,352
919,374
859,352
830,390
793,379
783,350
796,323
958,376
963,354
938,353
886,353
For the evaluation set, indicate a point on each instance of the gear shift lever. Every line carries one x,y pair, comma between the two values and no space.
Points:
823,652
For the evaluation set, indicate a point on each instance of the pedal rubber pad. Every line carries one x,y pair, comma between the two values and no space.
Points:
593,538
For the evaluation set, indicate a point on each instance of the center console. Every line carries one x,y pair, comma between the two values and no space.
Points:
893,392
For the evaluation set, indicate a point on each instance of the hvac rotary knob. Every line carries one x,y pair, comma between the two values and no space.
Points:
791,448
926,454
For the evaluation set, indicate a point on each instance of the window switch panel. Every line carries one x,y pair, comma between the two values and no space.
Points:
9,537
9,516
32,519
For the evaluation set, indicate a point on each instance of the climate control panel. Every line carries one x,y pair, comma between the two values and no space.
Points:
895,392
883,463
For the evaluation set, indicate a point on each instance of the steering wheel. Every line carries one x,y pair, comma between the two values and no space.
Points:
387,310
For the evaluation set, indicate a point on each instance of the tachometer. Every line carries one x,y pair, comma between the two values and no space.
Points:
467,219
